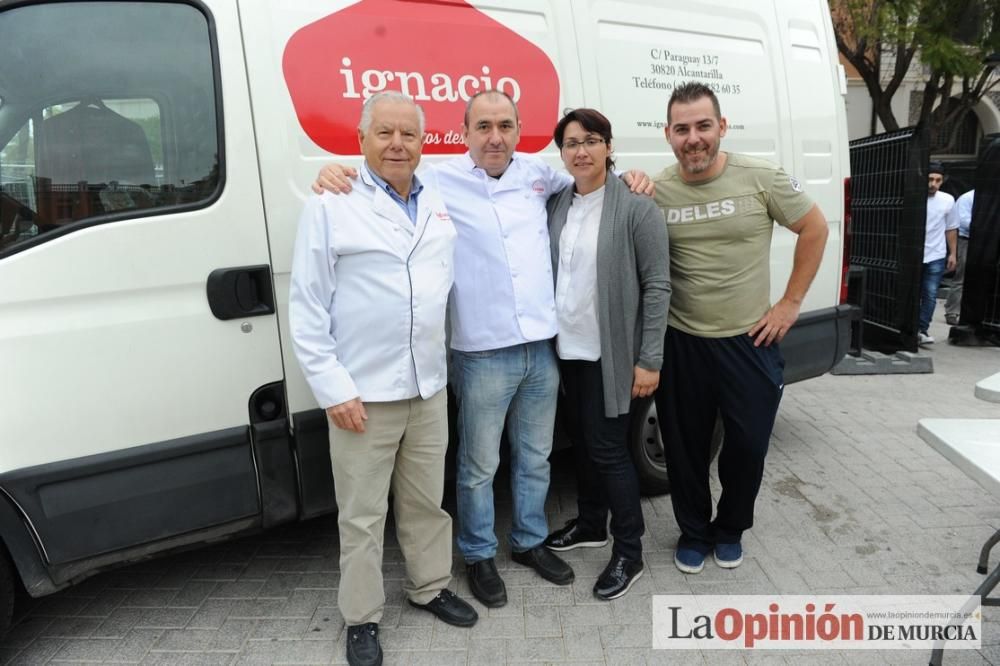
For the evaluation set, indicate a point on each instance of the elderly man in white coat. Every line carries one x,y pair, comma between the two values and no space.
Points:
370,281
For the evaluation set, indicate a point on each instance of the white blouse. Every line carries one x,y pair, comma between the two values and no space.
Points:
576,281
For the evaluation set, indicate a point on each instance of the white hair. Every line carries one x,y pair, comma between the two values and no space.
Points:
387,96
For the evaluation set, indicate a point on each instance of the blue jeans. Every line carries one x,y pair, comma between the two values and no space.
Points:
930,280
518,386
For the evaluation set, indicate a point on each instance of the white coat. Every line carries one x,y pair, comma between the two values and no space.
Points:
369,291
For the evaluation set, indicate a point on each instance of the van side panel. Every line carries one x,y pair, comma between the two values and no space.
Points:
818,130
639,50
113,501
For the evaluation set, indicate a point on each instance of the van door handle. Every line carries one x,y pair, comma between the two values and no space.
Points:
241,291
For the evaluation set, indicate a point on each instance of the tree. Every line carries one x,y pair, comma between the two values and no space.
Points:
951,39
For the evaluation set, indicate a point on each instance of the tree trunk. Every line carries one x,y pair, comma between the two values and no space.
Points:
883,107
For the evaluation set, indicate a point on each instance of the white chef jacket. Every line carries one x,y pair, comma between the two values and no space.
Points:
369,292
935,244
503,292
576,281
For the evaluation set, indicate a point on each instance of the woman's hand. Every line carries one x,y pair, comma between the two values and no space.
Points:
644,382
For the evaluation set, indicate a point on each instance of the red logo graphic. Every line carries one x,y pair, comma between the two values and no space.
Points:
439,54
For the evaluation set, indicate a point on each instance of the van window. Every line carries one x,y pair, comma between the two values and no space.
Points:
114,112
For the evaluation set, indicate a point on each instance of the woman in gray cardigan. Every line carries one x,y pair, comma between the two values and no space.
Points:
611,267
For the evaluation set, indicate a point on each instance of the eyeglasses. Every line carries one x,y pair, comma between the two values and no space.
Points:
589,143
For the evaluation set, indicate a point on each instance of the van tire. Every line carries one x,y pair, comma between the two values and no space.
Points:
646,447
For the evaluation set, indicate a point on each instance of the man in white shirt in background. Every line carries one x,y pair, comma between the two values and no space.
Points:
503,319
961,213
369,288
939,248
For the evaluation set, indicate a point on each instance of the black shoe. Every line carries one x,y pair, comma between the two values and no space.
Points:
486,584
449,608
363,648
571,536
548,565
617,578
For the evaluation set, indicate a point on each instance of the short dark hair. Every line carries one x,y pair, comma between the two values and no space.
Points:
493,93
591,120
692,91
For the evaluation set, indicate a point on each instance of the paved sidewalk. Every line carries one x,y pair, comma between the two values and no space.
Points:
853,502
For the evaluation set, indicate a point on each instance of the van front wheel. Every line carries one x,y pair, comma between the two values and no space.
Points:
646,447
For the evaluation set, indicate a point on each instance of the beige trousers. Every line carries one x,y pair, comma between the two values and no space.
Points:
402,449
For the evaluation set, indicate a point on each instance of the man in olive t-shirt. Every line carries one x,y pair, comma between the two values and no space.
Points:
721,354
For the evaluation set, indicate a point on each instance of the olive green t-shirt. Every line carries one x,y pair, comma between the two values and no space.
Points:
720,242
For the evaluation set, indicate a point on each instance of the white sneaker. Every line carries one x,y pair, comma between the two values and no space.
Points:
925,339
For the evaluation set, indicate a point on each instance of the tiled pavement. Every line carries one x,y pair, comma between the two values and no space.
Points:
852,502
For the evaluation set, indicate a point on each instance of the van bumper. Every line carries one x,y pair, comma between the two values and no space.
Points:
818,341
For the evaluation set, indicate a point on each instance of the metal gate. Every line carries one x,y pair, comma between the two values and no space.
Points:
981,287
888,219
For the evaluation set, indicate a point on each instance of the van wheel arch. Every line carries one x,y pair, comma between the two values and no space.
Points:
23,555
21,565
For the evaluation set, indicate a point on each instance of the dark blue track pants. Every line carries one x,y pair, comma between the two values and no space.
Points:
703,377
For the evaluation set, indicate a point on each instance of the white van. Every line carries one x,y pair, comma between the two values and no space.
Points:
154,157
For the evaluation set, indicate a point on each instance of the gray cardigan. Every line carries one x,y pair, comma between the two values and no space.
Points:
633,285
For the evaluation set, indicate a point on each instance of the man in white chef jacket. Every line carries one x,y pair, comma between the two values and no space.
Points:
369,288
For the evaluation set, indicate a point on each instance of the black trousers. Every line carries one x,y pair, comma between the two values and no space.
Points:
605,475
702,377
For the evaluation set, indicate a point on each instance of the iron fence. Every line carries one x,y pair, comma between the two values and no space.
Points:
888,213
